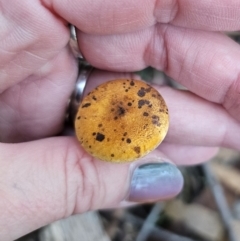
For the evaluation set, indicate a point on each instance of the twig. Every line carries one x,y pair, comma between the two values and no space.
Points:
157,231
221,202
149,222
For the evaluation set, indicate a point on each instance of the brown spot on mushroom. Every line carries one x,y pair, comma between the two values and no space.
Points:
128,140
100,137
141,92
145,114
86,105
155,120
142,102
129,104
137,149
79,117
94,97
132,83
112,155
100,125
121,111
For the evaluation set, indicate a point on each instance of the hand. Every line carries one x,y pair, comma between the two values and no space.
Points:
51,178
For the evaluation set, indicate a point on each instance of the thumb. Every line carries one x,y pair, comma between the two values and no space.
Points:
46,180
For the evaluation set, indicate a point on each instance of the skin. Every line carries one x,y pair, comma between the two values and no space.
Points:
45,179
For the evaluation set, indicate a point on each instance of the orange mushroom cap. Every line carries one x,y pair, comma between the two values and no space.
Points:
122,120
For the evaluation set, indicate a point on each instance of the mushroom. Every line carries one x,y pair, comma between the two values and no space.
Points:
121,120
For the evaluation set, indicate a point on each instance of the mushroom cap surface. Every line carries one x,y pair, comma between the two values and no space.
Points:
121,120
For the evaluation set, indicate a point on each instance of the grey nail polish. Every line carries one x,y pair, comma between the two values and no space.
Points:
155,181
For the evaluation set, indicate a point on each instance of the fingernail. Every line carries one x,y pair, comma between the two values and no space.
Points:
155,181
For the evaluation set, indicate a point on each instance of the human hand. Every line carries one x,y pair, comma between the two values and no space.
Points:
51,178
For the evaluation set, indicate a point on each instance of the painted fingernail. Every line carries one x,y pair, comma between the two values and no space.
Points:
155,181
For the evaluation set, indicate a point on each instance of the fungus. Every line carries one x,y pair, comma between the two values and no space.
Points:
134,122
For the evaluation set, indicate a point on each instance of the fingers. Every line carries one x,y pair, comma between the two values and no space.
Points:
208,64
187,155
36,107
46,180
108,17
29,39
195,121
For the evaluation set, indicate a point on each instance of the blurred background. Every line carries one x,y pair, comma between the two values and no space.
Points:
208,208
